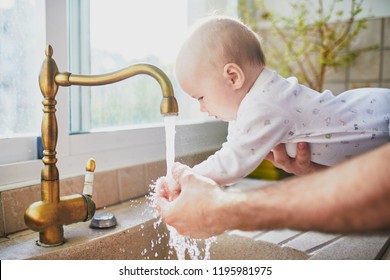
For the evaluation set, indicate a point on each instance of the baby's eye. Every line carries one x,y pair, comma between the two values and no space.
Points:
200,98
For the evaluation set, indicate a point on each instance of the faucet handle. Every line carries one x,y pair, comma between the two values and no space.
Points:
88,179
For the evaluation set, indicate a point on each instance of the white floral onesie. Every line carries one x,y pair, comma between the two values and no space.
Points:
278,110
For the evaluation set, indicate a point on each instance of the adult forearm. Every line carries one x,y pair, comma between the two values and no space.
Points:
354,196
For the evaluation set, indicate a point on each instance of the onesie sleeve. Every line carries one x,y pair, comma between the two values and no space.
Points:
250,139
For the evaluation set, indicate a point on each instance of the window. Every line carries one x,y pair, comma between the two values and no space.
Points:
112,148
117,34
22,33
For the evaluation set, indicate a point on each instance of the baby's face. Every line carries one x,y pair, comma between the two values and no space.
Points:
213,93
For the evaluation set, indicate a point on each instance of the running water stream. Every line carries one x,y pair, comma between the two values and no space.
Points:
170,131
195,248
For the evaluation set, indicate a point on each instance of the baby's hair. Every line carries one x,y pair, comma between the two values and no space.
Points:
228,40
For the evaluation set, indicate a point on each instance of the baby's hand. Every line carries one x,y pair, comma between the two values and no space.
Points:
170,186
165,187
160,188
177,171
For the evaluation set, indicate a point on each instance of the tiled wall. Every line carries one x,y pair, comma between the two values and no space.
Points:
110,187
371,68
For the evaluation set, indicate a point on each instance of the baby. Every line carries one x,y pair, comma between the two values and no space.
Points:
222,65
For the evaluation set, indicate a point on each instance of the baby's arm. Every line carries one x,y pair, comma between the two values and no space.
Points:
249,141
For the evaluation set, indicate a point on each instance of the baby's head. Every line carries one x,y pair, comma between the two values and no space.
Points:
218,64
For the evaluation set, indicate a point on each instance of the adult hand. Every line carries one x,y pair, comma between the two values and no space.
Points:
194,212
299,165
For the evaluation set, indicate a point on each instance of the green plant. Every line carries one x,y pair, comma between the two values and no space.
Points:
310,40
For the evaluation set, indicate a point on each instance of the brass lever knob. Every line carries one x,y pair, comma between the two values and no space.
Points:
91,165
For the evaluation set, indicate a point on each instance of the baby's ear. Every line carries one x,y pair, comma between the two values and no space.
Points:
234,75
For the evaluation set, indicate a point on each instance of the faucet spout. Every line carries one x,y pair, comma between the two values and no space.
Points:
168,104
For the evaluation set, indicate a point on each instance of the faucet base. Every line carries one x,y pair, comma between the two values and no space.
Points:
38,243
51,236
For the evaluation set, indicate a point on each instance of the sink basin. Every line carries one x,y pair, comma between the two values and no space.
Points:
144,242
137,236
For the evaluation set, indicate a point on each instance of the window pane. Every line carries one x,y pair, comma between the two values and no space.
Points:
123,33
22,33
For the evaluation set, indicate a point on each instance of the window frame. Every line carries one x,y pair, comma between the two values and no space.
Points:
111,149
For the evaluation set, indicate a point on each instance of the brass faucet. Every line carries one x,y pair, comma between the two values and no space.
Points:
49,215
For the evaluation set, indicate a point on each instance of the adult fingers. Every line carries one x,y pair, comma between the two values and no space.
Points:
303,157
281,158
270,157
